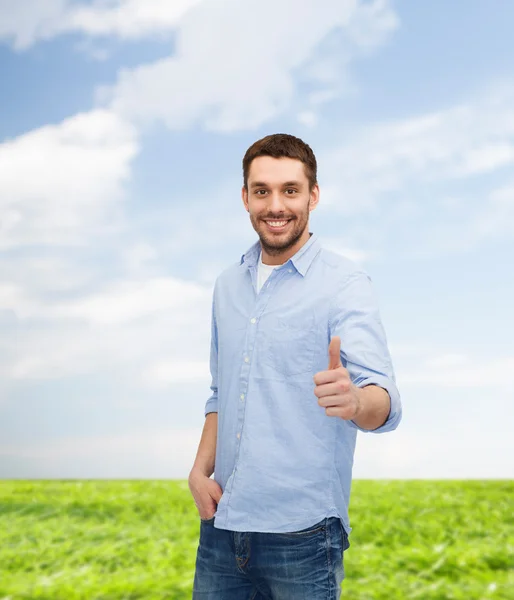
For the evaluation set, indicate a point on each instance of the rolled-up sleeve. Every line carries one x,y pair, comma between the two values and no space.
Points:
212,403
355,318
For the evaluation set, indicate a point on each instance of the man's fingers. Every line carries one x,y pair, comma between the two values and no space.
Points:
325,401
332,388
207,494
208,512
215,491
323,377
334,353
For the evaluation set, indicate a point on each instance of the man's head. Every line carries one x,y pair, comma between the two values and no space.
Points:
280,184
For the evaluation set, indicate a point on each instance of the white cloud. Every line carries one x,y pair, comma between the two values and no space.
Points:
489,157
128,18
167,372
245,74
308,118
437,183
161,453
129,300
10,295
447,361
420,453
463,223
24,23
487,217
471,139
337,245
206,81
73,311
54,272
458,370
372,23
139,257
59,182
498,215
127,328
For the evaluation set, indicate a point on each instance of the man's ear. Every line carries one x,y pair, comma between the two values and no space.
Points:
314,197
244,196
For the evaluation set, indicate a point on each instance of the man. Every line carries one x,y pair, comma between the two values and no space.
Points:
299,363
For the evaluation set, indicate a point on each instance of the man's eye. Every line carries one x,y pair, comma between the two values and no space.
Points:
291,191
260,192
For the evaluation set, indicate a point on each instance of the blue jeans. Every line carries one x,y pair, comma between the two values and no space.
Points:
301,565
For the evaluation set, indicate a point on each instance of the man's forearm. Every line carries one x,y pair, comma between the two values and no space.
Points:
375,406
206,455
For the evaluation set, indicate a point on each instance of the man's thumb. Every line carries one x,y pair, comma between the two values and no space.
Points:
334,353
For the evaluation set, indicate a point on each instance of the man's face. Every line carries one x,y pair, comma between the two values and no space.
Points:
279,202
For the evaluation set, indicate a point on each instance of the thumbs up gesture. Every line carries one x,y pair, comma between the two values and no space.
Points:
334,388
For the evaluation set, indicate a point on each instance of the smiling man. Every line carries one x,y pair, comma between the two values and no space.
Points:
299,364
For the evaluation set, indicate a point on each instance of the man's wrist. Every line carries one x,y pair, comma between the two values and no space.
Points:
359,407
375,406
199,470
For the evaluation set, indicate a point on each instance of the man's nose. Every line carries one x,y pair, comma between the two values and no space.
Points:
276,203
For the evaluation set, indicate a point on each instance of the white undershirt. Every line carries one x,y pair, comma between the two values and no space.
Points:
263,272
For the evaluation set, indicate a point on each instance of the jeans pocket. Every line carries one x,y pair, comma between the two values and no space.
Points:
311,530
344,537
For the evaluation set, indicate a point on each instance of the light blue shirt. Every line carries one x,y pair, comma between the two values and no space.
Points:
282,463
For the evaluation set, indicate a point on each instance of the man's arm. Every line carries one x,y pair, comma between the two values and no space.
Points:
375,406
355,318
206,491
206,455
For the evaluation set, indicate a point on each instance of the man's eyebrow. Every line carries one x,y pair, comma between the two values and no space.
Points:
256,184
292,183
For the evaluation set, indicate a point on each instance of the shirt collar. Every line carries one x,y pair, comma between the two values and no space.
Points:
301,260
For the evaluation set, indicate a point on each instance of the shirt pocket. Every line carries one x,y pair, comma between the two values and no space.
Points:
291,346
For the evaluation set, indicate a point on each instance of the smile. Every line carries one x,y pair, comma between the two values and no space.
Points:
277,225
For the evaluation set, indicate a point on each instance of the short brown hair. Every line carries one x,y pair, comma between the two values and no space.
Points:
282,145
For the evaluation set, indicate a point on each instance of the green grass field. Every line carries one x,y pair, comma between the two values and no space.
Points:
107,540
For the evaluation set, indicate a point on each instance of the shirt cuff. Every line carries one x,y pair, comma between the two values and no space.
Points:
211,406
395,412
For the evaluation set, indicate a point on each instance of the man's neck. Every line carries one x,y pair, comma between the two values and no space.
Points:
280,259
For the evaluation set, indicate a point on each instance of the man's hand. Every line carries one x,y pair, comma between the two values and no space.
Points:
334,388
206,493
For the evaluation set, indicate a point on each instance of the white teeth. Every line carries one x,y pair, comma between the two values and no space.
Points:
276,223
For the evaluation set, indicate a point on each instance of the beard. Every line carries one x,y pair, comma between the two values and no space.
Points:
277,243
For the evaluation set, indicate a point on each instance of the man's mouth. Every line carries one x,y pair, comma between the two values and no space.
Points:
276,225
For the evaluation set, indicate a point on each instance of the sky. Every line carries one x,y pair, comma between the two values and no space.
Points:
123,124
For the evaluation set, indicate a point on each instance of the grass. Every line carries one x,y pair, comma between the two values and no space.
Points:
128,540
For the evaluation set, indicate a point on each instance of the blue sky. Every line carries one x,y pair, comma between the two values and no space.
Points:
122,129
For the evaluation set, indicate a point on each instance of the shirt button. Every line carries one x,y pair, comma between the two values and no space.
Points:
247,359
289,270
253,321
242,396
238,435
